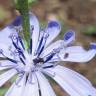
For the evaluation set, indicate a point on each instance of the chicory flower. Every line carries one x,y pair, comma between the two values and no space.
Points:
40,59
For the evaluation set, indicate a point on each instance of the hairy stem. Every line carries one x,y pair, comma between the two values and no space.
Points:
24,10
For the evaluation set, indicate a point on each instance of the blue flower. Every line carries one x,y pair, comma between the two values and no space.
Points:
40,59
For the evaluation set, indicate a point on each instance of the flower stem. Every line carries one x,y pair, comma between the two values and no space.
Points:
24,10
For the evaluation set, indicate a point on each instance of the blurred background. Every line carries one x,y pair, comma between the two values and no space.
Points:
79,15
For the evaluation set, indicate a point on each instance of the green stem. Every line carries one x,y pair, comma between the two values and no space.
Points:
24,10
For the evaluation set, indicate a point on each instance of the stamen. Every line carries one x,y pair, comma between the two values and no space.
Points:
50,66
27,76
42,43
13,53
30,46
14,61
41,50
21,54
21,42
30,78
32,28
7,58
31,32
15,40
20,78
40,94
15,45
22,60
49,57
18,48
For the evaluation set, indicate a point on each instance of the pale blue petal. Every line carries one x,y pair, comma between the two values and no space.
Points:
35,31
6,42
69,37
51,47
45,88
3,68
6,76
5,35
17,89
75,54
6,65
93,46
7,50
64,84
72,82
31,89
53,30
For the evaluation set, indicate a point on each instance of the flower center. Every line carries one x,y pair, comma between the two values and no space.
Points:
28,64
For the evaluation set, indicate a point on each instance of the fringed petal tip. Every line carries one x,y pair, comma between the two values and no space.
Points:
76,54
52,24
93,46
69,35
17,21
52,29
